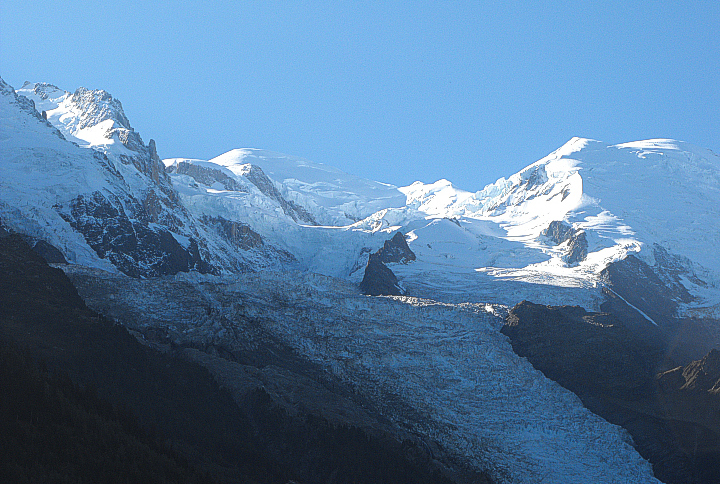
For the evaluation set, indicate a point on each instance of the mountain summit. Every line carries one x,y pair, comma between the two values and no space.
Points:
254,248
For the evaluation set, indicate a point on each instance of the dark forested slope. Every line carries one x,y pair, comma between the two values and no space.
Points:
113,409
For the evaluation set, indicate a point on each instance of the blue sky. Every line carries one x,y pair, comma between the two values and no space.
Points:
393,91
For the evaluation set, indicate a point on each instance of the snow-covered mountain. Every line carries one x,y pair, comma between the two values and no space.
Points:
656,199
564,219
546,233
284,242
77,176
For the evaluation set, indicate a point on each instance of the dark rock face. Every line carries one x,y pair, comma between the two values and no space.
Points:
658,291
396,250
691,395
206,176
49,252
161,200
379,280
699,377
560,232
583,350
704,375
131,245
671,268
673,418
156,165
637,283
241,236
577,248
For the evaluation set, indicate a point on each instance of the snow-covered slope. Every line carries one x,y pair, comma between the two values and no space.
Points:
645,198
604,202
443,371
81,179
657,199
89,118
30,146
290,214
627,197
335,198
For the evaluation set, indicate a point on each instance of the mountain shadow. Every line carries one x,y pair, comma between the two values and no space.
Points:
102,395
672,417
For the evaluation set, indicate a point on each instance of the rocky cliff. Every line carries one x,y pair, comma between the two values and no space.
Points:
672,417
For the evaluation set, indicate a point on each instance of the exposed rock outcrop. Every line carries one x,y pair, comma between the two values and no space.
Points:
672,418
379,280
639,285
396,250
583,350
258,177
577,245
130,244
636,292
206,176
240,236
701,377
671,269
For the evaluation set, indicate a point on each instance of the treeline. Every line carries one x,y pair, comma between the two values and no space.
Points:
319,452
54,431
105,408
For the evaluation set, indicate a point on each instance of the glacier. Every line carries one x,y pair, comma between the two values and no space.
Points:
285,240
456,375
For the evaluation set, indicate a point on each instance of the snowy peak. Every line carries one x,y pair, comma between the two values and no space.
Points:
556,232
333,197
91,118
46,96
94,119
98,106
632,195
440,199
562,220
608,201
217,178
101,207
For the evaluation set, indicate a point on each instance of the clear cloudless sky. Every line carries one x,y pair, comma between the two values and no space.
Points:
392,91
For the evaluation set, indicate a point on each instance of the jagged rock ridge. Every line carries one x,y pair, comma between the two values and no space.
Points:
614,369
396,250
577,244
119,210
378,279
265,185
